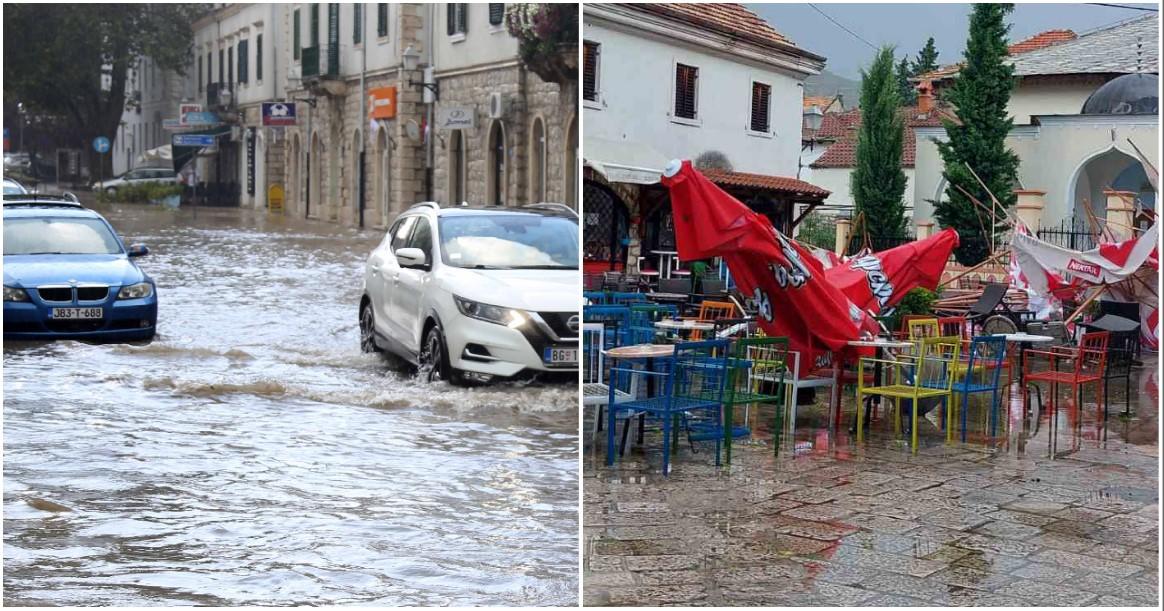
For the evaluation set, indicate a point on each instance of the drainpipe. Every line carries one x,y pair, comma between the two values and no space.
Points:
363,110
430,133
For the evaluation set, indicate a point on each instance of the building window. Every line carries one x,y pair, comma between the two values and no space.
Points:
259,58
761,103
200,73
686,91
221,64
230,65
496,13
357,23
458,19
243,64
537,162
381,20
209,68
456,167
314,25
590,54
497,166
295,46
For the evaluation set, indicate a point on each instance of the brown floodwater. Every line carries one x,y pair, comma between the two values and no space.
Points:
251,454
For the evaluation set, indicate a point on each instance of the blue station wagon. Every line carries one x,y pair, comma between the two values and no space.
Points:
67,275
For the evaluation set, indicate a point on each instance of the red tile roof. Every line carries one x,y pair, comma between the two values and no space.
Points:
782,184
835,125
732,19
843,152
1038,41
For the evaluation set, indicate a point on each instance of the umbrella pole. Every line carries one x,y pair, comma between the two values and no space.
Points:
1084,305
971,270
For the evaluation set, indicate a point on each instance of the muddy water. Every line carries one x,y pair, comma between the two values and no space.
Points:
251,454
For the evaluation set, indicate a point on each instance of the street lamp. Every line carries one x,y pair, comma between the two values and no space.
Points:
412,62
813,117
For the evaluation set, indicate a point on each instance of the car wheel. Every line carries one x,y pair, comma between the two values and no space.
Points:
368,329
434,359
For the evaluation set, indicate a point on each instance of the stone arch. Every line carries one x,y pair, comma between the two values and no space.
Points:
314,177
497,164
383,175
293,192
538,156
570,164
1111,167
458,167
356,199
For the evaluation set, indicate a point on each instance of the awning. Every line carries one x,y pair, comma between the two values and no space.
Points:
624,161
160,155
183,154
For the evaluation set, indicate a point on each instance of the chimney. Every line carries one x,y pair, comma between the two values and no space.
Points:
925,97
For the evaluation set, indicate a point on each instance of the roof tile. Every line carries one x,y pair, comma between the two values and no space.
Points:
730,18
843,152
784,184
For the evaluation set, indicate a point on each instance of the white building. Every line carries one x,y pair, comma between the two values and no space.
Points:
663,81
152,96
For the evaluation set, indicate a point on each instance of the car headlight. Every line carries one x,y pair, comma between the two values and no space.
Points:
12,293
136,291
491,313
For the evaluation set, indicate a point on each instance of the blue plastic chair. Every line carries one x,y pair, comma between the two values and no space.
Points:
596,297
615,317
982,371
694,382
624,298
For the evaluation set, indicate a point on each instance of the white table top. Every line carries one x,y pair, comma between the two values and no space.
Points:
658,295
640,351
1026,338
685,324
665,252
880,343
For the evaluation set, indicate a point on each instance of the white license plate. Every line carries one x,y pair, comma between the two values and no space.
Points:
561,356
78,313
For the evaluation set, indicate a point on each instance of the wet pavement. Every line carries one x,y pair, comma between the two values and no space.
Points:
251,454
1053,512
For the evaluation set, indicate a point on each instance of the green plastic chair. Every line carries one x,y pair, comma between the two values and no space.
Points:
755,361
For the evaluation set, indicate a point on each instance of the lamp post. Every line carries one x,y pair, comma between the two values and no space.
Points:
431,90
813,118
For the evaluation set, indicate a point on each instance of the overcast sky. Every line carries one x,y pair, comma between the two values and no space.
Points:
908,25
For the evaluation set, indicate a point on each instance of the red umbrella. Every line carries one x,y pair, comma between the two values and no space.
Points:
793,296
877,281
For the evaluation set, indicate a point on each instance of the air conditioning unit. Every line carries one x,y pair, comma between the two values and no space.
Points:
496,105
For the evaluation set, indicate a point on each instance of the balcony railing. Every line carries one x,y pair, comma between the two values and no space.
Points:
321,61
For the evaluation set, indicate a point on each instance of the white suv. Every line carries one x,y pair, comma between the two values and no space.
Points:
475,293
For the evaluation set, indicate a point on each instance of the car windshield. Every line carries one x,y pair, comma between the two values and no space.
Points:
10,189
58,236
509,241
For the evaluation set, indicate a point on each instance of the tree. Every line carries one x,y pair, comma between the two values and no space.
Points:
818,230
927,59
905,88
980,94
878,182
73,60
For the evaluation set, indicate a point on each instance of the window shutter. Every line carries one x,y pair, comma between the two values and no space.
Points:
496,13
209,69
230,65
221,64
199,73
463,18
590,70
242,60
761,95
451,24
357,23
314,25
259,58
381,19
295,40
686,79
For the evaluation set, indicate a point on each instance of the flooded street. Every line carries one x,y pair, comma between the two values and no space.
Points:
251,454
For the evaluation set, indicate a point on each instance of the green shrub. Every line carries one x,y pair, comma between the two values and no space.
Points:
917,301
141,193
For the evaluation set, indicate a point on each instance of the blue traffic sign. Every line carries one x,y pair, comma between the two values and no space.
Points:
201,118
101,144
193,140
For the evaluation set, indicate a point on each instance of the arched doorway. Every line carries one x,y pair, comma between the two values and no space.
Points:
457,167
571,164
260,198
497,168
332,196
356,199
314,177
1112,169
605,227
537,161
383,175
293,190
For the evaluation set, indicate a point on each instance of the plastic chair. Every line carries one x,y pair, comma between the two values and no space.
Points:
626,298
955,326
920,328
756,361
928,374
615,317
711,311
595,388
596,297
1121,355
694,382
643,318
1085,365
980,373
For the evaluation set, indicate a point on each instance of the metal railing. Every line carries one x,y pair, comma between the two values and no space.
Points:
320,61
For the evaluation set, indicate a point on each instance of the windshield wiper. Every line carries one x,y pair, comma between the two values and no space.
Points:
546,267
48,253
488,267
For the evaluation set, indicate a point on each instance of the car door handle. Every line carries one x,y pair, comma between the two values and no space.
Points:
375,269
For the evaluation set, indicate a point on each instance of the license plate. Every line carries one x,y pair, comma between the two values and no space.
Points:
561,356
78,313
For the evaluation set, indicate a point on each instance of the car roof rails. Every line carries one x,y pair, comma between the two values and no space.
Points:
65,200
552,206
433,205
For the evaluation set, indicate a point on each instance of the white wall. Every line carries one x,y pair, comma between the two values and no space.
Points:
636,72
838,181
246,22
482,43
1050,97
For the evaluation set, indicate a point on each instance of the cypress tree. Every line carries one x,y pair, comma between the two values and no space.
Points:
904,87
878,182
927,58
980,94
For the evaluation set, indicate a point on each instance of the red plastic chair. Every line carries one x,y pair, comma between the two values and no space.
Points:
1071,366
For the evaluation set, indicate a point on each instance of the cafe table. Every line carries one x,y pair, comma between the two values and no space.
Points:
681,326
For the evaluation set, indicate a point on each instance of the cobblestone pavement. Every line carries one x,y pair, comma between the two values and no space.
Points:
1056,512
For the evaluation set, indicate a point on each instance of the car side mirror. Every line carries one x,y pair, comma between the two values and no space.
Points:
138,250
410,257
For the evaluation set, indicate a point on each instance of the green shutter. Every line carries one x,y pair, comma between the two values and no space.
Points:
314,26
357,23
259,58
451,19
243,60
295,46
381,20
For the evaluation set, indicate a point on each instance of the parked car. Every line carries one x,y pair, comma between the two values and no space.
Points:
13,187
67,274
20,162
473,293
137,177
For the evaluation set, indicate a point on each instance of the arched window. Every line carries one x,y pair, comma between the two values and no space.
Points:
571,165
537,161
498,170
383,175
357,174
456,167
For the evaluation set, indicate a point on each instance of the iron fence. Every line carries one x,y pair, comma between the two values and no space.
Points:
1070,233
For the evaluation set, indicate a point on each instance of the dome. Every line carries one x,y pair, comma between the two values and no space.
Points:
1130,94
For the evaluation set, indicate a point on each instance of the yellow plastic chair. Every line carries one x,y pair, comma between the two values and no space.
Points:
924,327
929,373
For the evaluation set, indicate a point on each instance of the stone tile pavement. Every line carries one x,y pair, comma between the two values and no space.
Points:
1057,512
